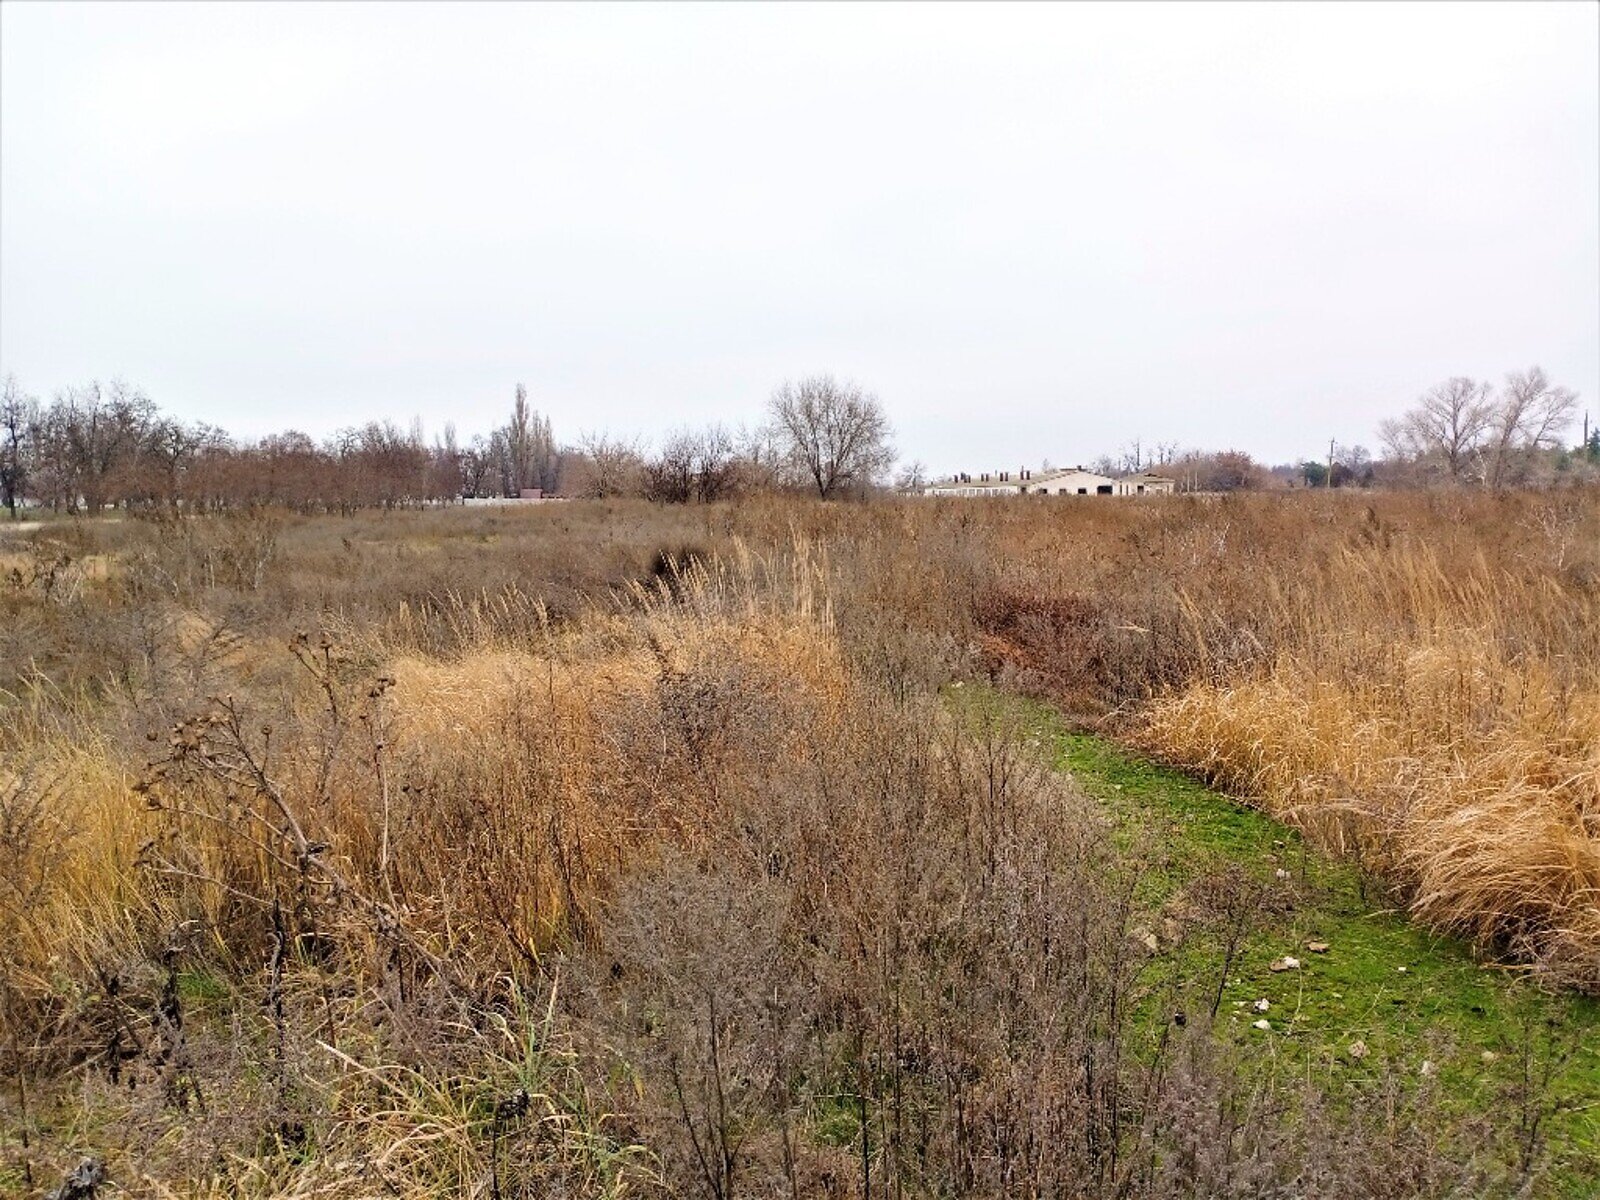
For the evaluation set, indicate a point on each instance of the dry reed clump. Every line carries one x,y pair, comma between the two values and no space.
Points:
73,910
537,777
1444,730
378,854
479,803
339,1099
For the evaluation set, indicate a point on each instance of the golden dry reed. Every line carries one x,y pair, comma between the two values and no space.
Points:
1440,725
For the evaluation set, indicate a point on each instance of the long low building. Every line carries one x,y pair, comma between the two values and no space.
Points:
1068,481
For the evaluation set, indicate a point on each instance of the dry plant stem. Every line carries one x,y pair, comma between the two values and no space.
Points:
217,746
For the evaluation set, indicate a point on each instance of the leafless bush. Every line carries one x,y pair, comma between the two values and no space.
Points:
693,465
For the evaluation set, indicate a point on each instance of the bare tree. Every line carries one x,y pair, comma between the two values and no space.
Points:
89,438
1221,471
763,466
611,465
1352,466
913,477
448,475
1469,433
669,473
1448,426
172,450
477,463
521,433
525,449
835,433
18,418
701,465
716,464
1529,415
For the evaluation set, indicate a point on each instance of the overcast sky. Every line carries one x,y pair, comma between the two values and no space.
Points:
1034,231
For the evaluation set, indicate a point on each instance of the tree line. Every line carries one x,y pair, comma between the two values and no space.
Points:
1462,432
95,447
1468,432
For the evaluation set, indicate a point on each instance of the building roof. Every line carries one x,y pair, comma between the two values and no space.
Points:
1032,480
1015,479
1069,472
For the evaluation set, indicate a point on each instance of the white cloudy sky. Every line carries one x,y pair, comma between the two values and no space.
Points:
1034,231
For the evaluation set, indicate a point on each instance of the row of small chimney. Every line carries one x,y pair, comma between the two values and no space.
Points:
1023,475
995,476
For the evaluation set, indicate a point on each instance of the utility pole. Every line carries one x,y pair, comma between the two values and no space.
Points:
1330,462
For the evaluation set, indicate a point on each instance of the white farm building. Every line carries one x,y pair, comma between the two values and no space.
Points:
1068,481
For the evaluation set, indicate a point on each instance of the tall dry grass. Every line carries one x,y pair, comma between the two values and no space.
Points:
698,890
290,849
505,780
1441,726
380,854
1412,677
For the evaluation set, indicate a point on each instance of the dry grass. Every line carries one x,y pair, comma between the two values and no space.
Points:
687,772
1442,727
1413,679
596,731
469,813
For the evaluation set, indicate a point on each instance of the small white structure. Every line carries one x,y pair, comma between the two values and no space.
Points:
1074,481
1069,481
1146,483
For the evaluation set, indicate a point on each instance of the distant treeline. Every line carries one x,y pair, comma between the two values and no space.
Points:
1461,433
94,447
97,447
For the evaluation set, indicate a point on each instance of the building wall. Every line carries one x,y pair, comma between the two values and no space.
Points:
1065,483
1145,486
1078,483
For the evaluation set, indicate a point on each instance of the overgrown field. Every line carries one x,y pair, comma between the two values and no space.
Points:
611,849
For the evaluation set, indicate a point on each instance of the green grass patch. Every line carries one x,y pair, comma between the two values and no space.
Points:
203,987
1386,996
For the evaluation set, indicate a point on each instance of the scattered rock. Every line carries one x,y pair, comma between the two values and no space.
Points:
1262,1024
1286,963
1281,873
1262,1004
1428,1069
1489,1056
1357,1050
1317,947
1402,970
82,1182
